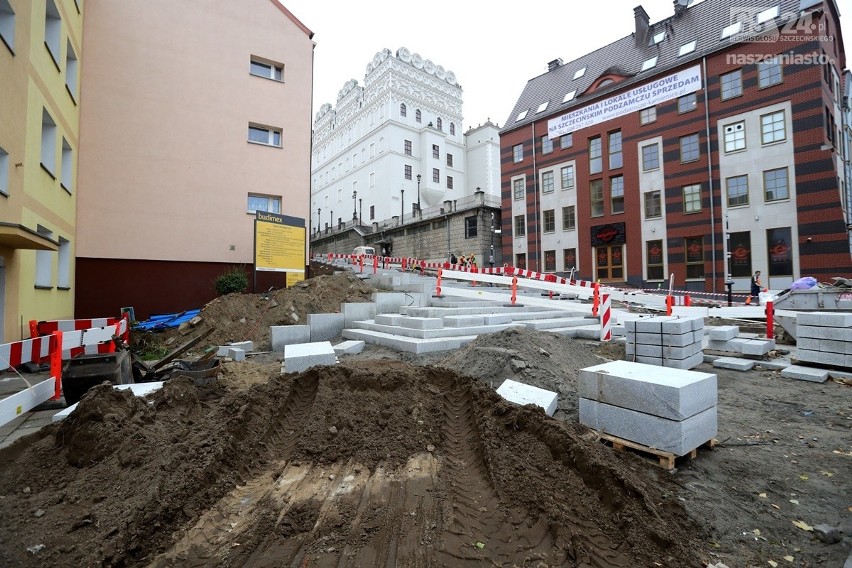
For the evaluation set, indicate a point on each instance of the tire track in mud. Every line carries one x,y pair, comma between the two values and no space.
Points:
479,529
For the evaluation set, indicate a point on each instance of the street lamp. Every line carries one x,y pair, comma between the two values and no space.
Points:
418,194
360,212
319,218
354,205
401,205
331,220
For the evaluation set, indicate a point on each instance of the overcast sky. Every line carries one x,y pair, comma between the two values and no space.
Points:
494,48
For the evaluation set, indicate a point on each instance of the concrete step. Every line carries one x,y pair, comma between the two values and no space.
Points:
430,333
558,323
582,331
408,344
412,322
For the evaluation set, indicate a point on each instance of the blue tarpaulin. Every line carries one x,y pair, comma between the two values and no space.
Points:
166,321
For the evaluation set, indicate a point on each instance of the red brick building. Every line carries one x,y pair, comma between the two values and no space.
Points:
704,145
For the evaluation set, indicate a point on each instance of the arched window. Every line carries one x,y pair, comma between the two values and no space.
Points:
402,110
440,124
417,116
452,129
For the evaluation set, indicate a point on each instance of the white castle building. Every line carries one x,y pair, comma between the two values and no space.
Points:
396,143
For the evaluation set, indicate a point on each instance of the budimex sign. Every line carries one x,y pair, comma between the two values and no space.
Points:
279,243
650,94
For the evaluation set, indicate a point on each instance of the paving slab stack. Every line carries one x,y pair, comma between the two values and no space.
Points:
667,341
668,409
824,338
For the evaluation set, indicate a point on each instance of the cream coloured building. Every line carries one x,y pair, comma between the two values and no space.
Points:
40,58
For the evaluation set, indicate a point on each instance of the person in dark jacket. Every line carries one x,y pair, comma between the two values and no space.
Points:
755,285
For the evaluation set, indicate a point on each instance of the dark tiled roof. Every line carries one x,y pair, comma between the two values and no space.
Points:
702,22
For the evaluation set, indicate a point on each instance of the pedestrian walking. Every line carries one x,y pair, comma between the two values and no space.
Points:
755,287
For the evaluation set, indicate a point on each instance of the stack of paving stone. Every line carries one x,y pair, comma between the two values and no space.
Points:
668,341
728,338
661,408
824,337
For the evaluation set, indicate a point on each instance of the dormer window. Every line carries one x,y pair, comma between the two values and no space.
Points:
569,96
579,73
521,115
542,106
686,48
734,28
649,64
605,82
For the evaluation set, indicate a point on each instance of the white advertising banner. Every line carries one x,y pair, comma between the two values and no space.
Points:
650,94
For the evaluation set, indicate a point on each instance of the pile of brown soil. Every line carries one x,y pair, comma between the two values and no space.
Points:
247,317
357,464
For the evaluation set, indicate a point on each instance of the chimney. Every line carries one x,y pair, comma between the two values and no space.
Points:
680,6
642,25
554,64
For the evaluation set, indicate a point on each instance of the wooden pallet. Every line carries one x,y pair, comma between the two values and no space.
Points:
666,460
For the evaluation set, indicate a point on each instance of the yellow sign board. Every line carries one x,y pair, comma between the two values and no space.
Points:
279,243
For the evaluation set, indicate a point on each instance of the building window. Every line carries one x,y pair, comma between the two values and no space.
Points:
686,48
547,182
615,154
67,172
772,128
549,220
549,260
449,182
7,25
569,258
449,160
64,275
268,203
735,137
521,261
740,251
372,212
407,171
266,69
470,227
779,251
650,158
597,197
694,257
595,156
440,124
732,84
48,143
52,31
71,71
566,141
546,145
452,129
569,218
653,208
4,172
418,117
737,190
518,188
263,135
567,174
616,194
775,185
520,226
689,148
44,261
769,73
687,103
436,175
655,268
403,111
436,151
408,147
648,115
692,198
518,153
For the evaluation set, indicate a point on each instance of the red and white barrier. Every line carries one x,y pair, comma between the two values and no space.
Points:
100,332
606,318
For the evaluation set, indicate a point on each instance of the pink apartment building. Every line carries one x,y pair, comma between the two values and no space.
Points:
194,115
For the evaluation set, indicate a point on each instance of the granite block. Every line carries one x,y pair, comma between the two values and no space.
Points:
676,436
301,356
805,374
282,335
734,363
520,393
840,320
660,391
724,332
236,354
325,327
357,311
350,347
758,346
822,357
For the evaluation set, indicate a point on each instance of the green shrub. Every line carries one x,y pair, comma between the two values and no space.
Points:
234,280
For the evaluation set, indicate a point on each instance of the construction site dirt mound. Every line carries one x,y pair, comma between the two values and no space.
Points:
355,465
247,317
